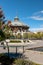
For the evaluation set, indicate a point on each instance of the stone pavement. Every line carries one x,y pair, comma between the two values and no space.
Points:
34,56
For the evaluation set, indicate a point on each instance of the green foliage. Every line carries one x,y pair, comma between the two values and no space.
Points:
5,60
38,35
15,41
7,36
1,19
2,35
25,35
7,31
11,61
24,41
24,62
21,62
19,36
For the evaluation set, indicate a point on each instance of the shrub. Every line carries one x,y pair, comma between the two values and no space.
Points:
5,60
21,62
15,41
28,41
24,41
2,35
24,62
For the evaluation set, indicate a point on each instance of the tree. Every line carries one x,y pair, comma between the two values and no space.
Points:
2,17
2,36
39,35
7,30
25,35
19,36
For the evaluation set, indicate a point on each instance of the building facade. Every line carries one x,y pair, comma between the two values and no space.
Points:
17,26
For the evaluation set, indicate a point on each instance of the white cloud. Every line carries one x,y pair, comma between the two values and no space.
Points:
41,25
36,29
37,15
41,11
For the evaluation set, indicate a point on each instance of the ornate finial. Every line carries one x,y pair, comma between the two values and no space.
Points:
16,13
16,18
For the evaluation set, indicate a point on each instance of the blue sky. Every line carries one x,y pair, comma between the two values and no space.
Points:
29,11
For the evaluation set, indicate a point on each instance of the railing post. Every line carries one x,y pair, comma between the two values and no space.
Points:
23,49
16,49
7,48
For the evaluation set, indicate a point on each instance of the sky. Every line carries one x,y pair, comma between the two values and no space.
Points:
30,12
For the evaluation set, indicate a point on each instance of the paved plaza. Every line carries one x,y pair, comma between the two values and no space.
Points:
35,56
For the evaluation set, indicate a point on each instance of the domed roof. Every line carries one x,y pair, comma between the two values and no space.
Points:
16,18
17,22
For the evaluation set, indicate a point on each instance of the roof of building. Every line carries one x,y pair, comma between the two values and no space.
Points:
17,22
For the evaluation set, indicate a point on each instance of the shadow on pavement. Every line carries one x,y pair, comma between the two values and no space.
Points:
5,60
14,55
